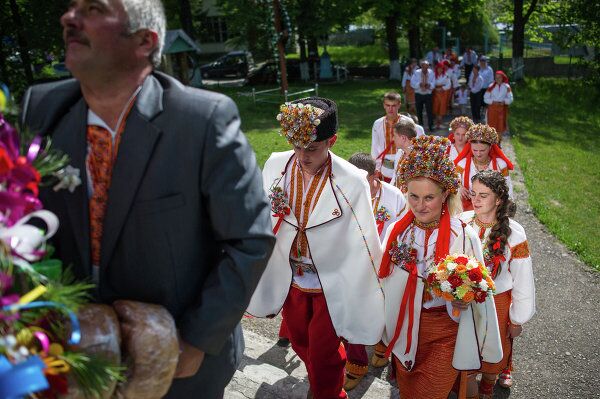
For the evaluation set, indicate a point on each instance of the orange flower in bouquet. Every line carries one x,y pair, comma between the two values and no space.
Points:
460,277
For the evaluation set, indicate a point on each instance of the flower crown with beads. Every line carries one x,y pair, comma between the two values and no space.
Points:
299,123
461,121
428,158
482,132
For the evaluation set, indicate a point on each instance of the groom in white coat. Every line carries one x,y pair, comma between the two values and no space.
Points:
323,268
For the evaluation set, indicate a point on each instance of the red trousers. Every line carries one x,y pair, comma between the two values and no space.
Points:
315,341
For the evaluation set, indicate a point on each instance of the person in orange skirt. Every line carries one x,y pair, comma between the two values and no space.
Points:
431,346
409,92
506,254
480,153
443,84
498,97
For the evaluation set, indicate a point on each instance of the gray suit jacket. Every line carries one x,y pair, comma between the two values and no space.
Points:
187,223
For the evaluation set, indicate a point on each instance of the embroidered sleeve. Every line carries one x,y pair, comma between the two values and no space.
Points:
520,251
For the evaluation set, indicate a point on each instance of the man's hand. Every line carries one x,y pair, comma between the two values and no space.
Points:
190,360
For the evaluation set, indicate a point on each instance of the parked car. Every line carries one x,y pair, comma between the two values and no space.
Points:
235,64
266,73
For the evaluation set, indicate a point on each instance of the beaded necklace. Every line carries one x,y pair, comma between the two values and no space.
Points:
487,257
402,252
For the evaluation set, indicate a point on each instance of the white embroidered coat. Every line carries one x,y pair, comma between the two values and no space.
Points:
345,249
394,202
478,336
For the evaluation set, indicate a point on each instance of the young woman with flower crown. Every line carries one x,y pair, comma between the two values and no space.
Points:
429,344
458,135
480,153
506,255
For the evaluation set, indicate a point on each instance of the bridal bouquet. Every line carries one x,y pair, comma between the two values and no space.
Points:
39,331
460,277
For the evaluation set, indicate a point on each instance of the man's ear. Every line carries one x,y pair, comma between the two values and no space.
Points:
332,140
147,42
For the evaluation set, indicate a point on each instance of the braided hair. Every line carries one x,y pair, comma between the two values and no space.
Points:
501,231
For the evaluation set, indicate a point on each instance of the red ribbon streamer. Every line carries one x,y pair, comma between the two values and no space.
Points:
281,215
442,247
408,299
380,224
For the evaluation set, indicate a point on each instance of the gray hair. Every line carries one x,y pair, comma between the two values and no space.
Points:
147,14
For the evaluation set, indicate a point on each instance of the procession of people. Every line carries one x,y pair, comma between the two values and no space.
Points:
410,248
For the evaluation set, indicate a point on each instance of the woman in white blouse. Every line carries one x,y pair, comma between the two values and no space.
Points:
498,97
506,254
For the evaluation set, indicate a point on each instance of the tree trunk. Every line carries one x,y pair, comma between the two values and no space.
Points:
22,40
391,31
283,36
304,73
518,39
185,17
414,41
302,45
313,56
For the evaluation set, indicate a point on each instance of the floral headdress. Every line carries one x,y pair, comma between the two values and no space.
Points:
461,121
481,132
299,123
308,119
428,158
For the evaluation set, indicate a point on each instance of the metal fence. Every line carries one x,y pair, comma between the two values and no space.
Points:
274,96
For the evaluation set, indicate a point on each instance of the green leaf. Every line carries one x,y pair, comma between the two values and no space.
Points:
93,374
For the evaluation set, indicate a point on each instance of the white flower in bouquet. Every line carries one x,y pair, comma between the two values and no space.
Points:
472,264
446,286
483,285
451,266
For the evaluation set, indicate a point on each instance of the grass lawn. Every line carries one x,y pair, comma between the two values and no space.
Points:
557,127
359,105
370,55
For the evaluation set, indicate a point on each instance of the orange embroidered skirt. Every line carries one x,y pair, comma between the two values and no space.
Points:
496,117
440,102
409,93
503,302
433,375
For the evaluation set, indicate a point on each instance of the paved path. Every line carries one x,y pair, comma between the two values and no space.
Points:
557,356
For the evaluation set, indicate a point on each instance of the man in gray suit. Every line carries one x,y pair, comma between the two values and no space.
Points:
183,221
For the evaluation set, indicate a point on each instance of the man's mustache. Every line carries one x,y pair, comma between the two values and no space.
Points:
72,34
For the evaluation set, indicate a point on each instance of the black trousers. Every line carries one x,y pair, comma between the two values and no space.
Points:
476,106
468,69
427,100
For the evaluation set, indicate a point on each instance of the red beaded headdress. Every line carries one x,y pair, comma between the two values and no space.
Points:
428,158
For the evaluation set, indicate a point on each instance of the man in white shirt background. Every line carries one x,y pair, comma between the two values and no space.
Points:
469,59
423,82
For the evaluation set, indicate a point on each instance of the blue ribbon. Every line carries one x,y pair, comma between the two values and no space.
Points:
75,329
21,379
